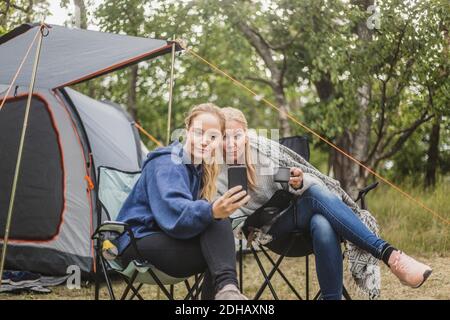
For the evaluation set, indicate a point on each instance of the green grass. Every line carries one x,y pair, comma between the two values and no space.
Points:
407,225
402,222
437,287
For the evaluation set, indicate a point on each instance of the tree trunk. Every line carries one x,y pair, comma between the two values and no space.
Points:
29,12
4,16
80,14
433,154
356,142
265,51
132,101
283,119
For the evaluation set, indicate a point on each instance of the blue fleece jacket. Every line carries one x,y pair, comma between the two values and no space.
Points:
165,198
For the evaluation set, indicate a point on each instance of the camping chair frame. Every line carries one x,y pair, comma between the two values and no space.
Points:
138,267
276,264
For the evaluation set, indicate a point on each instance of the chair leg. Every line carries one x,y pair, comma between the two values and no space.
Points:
241,267
198,286
136,292
97,277
108,281
266,277
272,272
346,294
189,289
160,284
281,274
195,290
307,276
129,285
317,296
197,294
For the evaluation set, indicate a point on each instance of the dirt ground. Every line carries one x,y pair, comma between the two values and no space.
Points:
437,286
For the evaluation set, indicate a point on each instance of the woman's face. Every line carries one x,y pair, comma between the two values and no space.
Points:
204,136
234,142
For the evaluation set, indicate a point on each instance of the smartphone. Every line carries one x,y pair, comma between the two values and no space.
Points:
237,176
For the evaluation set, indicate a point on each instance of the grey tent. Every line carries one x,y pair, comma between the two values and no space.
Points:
69,136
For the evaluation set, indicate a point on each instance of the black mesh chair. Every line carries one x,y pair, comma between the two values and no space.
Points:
295,244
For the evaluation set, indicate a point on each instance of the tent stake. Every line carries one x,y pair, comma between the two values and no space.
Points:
19,154
169,116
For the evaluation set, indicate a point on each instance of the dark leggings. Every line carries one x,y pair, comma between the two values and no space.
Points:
212,252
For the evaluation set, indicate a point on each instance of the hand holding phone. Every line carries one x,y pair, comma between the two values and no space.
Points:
229,202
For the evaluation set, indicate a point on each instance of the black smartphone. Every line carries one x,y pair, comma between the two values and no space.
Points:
237,176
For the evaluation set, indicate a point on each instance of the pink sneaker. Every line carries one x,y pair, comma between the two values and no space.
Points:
409,271
230,292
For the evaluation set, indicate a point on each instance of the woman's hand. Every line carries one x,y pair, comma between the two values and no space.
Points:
228,202
296,180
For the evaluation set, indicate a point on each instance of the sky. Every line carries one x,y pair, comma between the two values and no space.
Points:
58,14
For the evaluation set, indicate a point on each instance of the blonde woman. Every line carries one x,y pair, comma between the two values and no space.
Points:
170,210
320,212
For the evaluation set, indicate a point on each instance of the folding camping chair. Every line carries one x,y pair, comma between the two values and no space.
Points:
113,188
296,244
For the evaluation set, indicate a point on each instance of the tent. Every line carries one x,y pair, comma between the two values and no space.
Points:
69,136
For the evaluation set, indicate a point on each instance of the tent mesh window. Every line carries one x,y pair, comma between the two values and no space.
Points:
39,200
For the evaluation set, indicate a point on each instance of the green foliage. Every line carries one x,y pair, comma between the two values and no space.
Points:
404,63
16,12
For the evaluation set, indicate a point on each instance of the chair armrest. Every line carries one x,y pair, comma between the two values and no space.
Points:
119,228
363,192
111,226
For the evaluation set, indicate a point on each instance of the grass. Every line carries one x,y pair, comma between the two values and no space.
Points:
437,287
402,222
407,225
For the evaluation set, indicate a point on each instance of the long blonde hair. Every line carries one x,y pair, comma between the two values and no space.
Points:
210,170
233,114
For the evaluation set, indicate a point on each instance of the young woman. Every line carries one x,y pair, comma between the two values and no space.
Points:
178,229
322,213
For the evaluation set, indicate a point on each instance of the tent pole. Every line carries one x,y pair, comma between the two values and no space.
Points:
20,151
169,116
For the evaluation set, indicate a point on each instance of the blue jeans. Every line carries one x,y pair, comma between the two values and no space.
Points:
328,219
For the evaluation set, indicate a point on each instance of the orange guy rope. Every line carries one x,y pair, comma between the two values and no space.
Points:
240,84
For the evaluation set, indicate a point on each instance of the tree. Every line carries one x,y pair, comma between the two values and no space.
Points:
362,77
438,96
15,12
363,89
